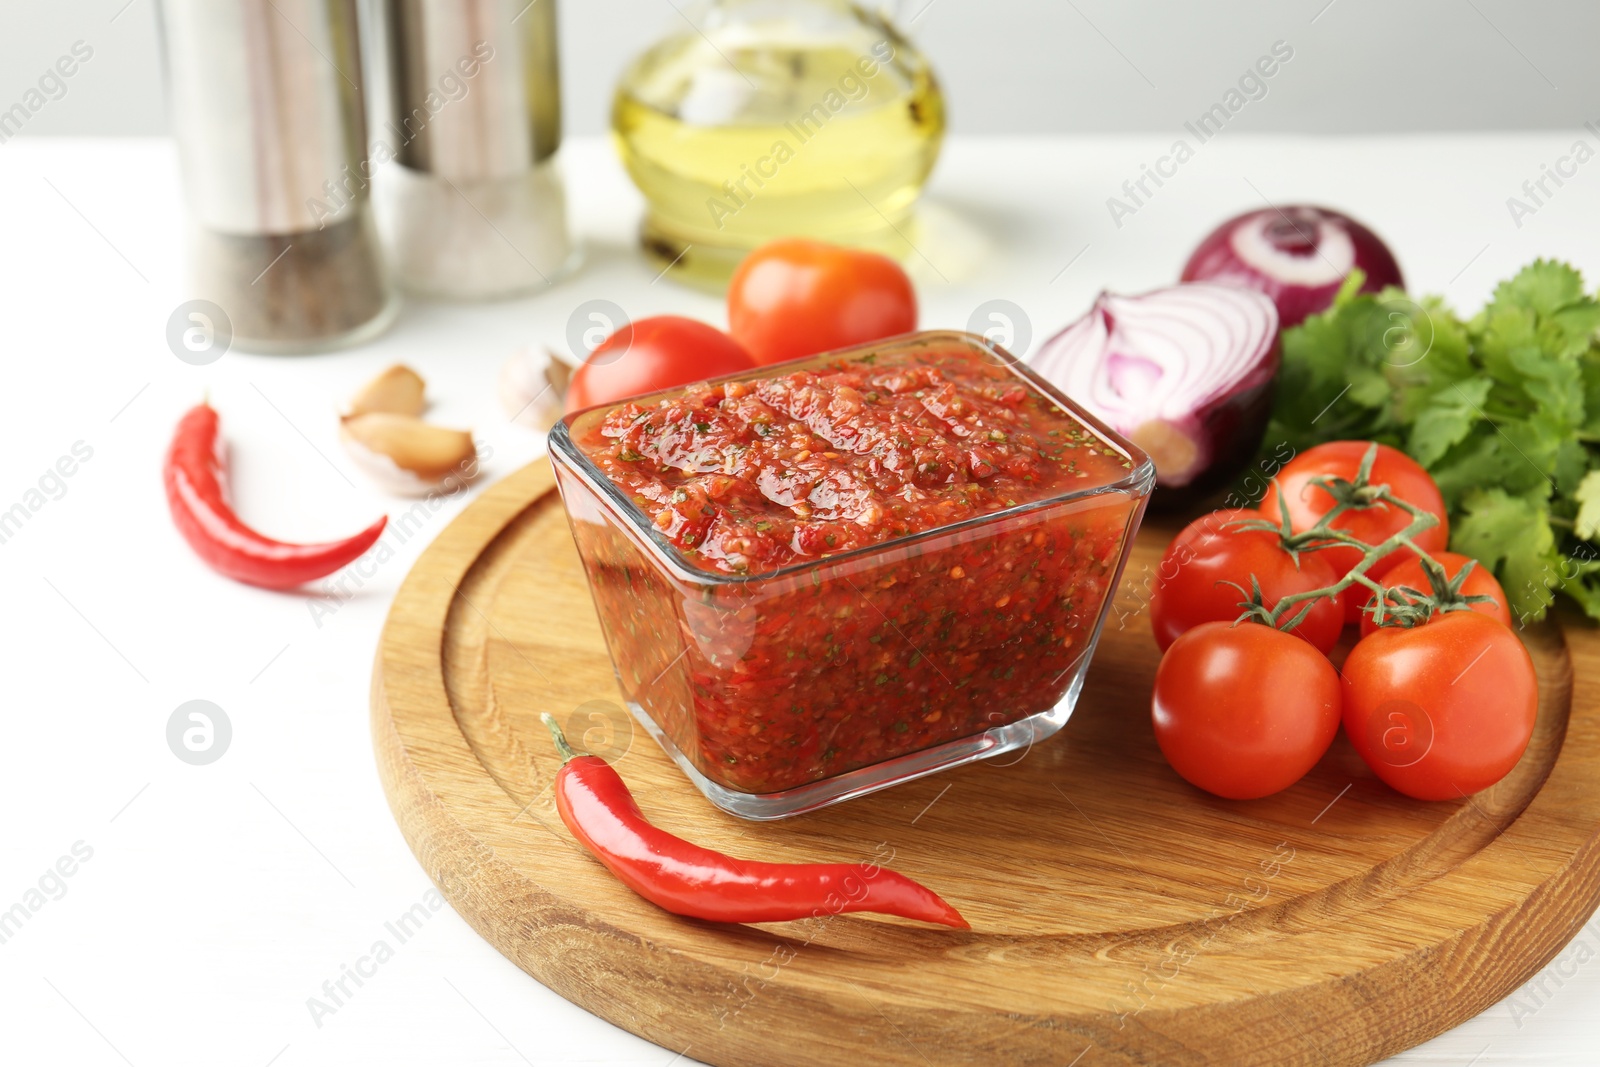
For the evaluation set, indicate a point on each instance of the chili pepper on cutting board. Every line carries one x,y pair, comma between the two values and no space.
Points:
699,883
196,483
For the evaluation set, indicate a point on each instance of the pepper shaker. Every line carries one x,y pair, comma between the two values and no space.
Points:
267,106
470,199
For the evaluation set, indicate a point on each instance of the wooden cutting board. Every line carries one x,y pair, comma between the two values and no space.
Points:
1119,916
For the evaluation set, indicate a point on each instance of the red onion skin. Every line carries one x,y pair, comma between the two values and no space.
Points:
1216,261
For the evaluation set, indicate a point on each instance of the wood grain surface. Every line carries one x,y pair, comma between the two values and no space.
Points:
1119,916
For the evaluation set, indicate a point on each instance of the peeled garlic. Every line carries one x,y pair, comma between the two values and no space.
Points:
533,387
398,391
406,455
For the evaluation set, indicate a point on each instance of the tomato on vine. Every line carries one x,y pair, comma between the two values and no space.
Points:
1443,710
1480,582
1439,697
1244,710
1308,502
1209,569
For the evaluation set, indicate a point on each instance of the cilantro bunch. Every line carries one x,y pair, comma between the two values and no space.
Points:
1503,409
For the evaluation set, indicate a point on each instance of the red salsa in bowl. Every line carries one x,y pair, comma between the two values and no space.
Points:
826,576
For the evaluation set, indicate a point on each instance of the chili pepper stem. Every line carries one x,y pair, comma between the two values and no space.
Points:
560,738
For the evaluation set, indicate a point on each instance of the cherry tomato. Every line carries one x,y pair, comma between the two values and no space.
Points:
1244,711
1480,581
1341,459
1191,582
795,297
1443,710
654,353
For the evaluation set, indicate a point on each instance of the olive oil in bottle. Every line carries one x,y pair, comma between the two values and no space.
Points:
777,118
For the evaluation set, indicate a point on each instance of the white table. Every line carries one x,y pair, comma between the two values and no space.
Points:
219,898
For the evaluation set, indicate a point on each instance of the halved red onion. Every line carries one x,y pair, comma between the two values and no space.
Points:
1298,255
1184,372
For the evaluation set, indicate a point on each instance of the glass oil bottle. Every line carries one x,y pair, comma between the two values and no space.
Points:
777,118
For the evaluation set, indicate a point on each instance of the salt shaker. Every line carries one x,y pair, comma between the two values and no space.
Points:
469,196
267,106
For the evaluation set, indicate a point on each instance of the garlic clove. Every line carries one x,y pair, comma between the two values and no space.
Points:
398,391
406,455
533,387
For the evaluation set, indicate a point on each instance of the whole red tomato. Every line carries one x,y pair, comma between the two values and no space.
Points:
1192,581
650,354
1341,459
1480,582
1443,710
795,297
1244,711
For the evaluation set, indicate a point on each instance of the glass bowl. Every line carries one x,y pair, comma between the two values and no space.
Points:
782,676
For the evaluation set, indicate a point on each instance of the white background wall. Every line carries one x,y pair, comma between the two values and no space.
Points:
1014,66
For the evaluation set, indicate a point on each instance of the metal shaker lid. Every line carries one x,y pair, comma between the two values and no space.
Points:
266,103
474,86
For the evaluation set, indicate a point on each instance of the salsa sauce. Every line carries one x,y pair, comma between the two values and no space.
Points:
766,685
748,476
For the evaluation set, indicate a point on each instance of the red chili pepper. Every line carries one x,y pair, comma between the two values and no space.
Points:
689,880
196,481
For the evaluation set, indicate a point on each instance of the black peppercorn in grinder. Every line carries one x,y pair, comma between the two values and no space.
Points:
266,103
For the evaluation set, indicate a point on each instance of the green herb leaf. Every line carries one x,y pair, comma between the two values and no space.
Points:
1587,524
1543,287
1447,421
1513,536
